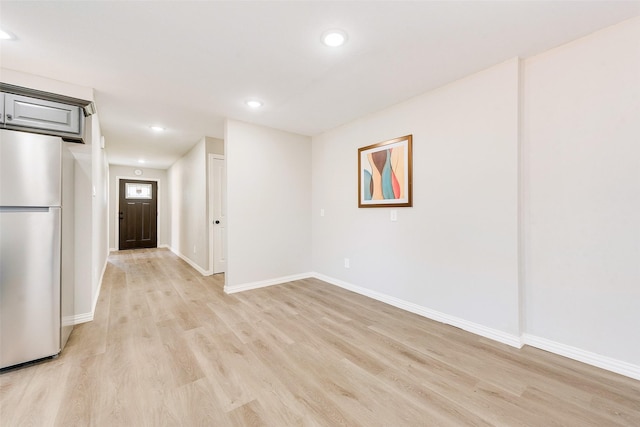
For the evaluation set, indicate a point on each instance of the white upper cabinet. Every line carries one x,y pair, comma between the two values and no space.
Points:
34,111
24,111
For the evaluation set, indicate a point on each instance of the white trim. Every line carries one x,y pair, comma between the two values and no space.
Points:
190,262
620,367
521,174
614,365
116,211
493,334
68,321
97,295
82,318
210,207
610,364
88,317
476,328
264,283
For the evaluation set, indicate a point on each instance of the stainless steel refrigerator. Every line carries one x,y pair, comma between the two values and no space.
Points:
30,246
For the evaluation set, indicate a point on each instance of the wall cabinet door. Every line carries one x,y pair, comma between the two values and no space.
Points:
36,113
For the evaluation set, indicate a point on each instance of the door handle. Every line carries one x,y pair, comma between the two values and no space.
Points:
217,222
9,117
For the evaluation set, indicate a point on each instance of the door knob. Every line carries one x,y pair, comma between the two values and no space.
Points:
9,117
217,222
121,215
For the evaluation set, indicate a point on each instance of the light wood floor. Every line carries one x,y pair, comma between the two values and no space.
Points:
168,347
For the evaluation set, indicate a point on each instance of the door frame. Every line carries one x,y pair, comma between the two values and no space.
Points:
210,157
116,211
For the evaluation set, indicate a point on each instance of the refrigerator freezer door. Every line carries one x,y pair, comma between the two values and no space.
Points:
29,169
29,284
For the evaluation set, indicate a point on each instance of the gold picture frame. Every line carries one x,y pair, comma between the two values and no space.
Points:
385,174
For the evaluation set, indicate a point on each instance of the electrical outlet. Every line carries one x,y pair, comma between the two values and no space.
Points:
394,215
346,263
321,212
194,249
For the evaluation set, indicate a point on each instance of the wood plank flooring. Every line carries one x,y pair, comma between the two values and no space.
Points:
169,348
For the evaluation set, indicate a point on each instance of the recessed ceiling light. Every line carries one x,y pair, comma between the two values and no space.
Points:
5,35
252,103
157,128
334,38
141,161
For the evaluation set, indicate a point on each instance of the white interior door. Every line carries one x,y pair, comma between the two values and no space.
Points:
217,214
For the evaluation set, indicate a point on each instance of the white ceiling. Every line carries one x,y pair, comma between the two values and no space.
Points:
188,65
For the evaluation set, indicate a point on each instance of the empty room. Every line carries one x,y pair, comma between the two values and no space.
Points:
319,213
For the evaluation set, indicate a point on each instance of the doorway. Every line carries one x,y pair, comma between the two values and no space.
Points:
138,214
217,215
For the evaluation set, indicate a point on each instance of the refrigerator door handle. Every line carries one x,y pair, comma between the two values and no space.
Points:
18,209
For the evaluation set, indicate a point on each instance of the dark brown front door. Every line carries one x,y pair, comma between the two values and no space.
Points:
138,214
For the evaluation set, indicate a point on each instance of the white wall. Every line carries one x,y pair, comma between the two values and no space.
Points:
84,238
214,145
32,81
100,209
268,204
455,251
582,193
90,218
67,275
188,204
159,175
569,202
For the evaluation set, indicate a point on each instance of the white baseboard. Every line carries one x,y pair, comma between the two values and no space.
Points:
97,295
264,283
190,262
164,246
88,317
82,318
593,359
604,362
466,325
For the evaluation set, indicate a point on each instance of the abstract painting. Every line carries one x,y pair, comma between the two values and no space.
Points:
385,173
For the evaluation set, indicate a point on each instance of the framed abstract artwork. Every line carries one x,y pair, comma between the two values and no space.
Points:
385,174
